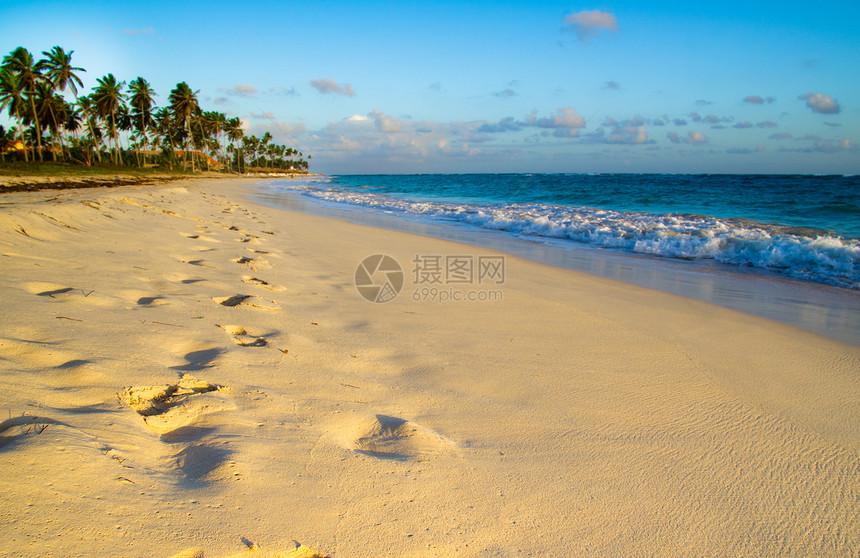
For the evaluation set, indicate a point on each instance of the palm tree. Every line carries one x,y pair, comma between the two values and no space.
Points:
47,106
214,124
124,121
108,98
141,103
12,96
184,105
73,121
20,61
165,129
58,68
235,133
87,107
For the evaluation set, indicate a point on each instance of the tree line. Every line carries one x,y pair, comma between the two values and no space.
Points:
92,128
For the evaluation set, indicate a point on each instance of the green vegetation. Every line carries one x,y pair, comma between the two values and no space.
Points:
118,128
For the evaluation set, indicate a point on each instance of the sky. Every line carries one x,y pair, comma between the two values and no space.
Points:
518,86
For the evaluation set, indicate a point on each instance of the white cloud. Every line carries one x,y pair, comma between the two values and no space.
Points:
327,85
696,137
343,143
745,150
587,24
565,122
507,124
821,103
629,135
283,91
386,123
831,146
692,137
758,100
244,89
283,132
148,30
240,90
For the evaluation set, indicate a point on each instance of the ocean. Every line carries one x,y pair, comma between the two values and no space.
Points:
805,227
800,229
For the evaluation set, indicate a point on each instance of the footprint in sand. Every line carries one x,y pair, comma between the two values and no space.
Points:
387,437
148,300
168,407
249,238
184,279
55,292
261,283
200,263
172,410
232,301
192,236
51,290
244,339
242,300
252,263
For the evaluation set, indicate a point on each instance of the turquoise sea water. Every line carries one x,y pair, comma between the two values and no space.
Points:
802,227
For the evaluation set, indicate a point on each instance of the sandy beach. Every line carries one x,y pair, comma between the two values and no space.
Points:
186,371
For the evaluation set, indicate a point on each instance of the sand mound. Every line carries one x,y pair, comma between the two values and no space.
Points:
386,437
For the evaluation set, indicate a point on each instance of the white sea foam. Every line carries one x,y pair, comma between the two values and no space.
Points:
822,258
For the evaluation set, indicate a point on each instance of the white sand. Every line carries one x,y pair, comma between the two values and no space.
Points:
576,417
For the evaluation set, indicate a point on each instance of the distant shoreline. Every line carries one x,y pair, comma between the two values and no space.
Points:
23,182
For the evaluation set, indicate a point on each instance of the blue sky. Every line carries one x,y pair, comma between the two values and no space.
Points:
387,87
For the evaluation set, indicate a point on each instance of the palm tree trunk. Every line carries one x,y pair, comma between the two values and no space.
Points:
143,132
189,143
38,128
115,140
53,133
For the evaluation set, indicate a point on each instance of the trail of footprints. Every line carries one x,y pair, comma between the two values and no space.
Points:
173,410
